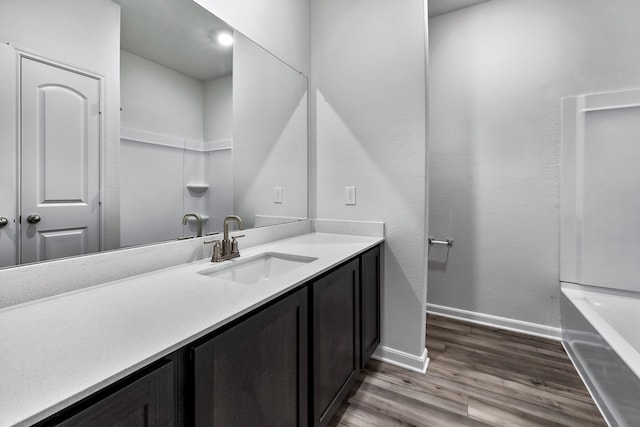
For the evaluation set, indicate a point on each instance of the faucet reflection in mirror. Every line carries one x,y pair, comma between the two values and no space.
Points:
198,218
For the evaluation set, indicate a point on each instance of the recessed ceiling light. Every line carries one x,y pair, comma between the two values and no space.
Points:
225,39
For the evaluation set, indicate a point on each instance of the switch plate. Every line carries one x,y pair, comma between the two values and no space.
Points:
277,194
350,196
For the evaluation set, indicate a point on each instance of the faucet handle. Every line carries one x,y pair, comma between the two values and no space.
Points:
234,244
216,256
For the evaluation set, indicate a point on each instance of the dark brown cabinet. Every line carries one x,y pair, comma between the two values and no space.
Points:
146,400
336,345
290,362
369,304
255,374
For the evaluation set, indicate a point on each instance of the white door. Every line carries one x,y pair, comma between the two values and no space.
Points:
60,162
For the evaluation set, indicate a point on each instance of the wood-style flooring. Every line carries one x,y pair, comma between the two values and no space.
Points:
477,376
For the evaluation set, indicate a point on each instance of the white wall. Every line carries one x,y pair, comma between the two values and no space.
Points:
36,25
498,72
158,99
368,130
269,134
280,26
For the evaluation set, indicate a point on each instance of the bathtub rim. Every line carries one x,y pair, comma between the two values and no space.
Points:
577,294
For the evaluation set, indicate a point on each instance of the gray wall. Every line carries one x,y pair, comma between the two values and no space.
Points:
368,130
160,100
218,109
269,134
498,72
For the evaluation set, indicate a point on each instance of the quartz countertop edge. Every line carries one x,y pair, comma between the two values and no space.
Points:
56,351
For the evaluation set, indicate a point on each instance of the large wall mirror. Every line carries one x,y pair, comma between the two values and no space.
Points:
120,117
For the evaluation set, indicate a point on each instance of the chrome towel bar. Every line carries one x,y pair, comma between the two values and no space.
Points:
448,242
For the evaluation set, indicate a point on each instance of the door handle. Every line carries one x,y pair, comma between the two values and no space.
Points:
3,221
33,219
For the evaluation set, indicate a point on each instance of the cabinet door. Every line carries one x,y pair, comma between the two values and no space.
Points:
255,374
336,346
148,401
370,303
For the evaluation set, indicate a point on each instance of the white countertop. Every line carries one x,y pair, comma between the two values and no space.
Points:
58,350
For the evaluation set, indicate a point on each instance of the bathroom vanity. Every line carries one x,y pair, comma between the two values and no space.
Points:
197,345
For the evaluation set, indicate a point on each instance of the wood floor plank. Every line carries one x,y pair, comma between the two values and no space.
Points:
499,416
456,363
516,394
489,339
409,410
477,376
355,415
519,355
449,401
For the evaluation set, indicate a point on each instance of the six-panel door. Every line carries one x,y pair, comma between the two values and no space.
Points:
60,162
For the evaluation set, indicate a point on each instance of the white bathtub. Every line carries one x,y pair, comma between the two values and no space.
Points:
601,334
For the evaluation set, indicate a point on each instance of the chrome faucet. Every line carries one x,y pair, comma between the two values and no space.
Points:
227,249
230,247
198,218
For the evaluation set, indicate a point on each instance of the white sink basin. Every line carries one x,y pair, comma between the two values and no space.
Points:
258,268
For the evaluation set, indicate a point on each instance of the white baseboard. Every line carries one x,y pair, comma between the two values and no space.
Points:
497,322
402,359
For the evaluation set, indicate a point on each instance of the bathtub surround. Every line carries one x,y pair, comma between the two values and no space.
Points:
185,177
498,72
599,246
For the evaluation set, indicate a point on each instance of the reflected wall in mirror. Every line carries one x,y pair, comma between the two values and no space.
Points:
184,125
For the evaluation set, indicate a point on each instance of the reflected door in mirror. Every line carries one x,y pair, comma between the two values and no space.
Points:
60,163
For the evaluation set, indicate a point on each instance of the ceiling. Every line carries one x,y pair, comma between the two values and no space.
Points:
440,7
178,34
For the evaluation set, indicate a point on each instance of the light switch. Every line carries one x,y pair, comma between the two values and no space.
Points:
277,194
350,196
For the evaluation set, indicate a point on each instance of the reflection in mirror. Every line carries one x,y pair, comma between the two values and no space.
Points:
184,123
176,120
